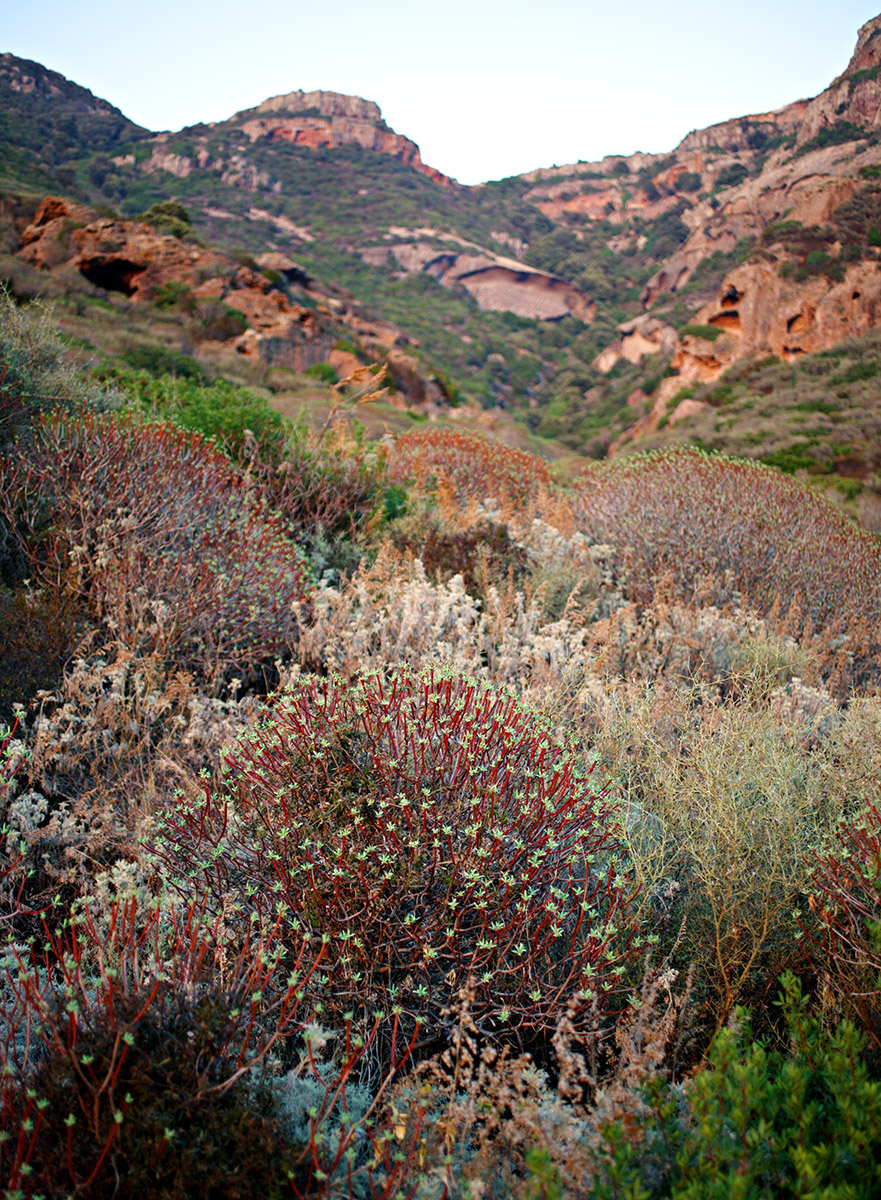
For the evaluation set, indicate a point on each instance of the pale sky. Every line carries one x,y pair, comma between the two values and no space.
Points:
487,88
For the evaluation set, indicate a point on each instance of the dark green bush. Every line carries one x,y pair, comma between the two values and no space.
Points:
801,1120
732,175
833,135
791,459
857,372
162,360
168,216
688,181
218,410
174,294
708,332
323,371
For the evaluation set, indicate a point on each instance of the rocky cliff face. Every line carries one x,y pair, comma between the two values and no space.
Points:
253,310
334,131
805,212
758,312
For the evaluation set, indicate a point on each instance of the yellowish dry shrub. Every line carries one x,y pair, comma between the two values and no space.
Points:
722,802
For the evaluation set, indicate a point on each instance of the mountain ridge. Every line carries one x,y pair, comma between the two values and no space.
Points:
605,276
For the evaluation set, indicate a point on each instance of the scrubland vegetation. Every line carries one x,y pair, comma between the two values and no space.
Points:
391,818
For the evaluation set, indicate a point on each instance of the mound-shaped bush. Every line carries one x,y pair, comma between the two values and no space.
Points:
470,466
161,534
424,831
755,530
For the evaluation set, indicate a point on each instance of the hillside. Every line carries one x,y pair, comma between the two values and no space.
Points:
595,301
388,782
393,804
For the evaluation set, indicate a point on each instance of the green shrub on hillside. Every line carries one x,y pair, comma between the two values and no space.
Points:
220,410
709,333
34,374
833,135
162,360
168,216
688,181
323,371
732,175
174,294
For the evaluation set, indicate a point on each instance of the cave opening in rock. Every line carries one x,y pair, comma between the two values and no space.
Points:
726,320
114,275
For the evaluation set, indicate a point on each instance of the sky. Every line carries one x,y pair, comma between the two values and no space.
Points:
488,88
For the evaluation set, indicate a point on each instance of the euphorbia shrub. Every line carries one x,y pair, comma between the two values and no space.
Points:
161,534
759,534
133,1060
846,898
425,831
471,466
127,1055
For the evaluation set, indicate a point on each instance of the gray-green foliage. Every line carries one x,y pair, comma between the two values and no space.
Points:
302,1107
35,375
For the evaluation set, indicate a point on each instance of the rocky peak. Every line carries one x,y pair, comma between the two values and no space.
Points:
867,54
329,119
325,104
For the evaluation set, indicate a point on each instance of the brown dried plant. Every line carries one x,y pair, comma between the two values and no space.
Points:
106,751
490,1118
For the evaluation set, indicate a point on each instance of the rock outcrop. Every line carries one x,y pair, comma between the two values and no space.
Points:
316,120
640,338
757,313
254,309
496,282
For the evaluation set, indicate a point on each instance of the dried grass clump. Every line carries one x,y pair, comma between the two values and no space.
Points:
497,1125
158,531
422,829
329,480
391,613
